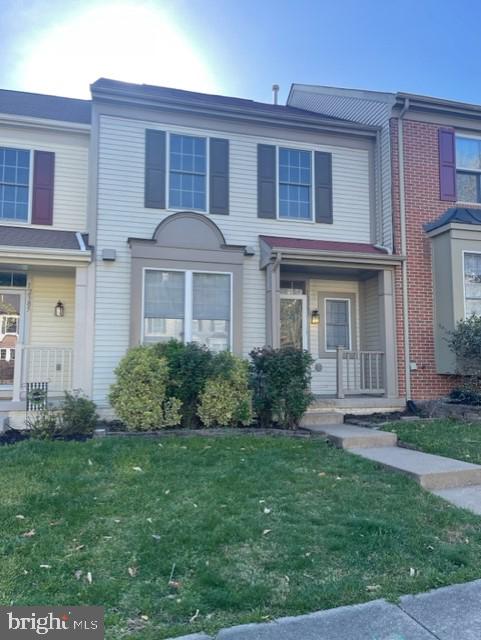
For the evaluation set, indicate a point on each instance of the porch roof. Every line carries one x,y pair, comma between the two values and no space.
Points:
26,242
308,249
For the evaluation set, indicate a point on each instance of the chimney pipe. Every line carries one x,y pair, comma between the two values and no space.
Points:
275,92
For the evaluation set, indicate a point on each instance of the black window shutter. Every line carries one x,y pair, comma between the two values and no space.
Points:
323,187
219,176
155,169
266,181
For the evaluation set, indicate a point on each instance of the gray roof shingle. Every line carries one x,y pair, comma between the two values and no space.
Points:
38,105
455,214
38,238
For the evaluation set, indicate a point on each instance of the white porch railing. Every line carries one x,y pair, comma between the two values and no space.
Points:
359,372
43,364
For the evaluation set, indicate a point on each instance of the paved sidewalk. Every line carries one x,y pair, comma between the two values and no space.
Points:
451,613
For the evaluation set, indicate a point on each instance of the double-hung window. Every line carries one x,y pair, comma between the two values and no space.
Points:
295,184
338,329
14,183
468,169
187,172
472,284
190,306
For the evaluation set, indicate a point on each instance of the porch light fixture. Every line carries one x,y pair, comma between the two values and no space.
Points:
59,310
315,317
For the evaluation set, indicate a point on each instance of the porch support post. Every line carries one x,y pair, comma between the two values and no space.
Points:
388,331
83,331
273,309
339,372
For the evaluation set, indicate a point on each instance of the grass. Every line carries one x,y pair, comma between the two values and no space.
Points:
460,440
256,528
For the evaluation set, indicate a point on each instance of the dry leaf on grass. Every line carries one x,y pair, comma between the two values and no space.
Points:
45,566
20,517
266,510
89,577
90,462
195,616
174,584
155,536
29,534
78,574
80,547
137,468
266,531
132,571
373,587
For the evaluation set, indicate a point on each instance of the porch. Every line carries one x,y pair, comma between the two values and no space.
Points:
43,306
337,301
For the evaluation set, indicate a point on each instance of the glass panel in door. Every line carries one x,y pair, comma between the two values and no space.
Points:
292,322
10,306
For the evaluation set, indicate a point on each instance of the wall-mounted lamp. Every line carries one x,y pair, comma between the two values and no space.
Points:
59,310
315,317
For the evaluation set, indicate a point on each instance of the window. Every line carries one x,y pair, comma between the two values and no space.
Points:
3,354
295,184
14,181
472,284
338,330
468,169
293,286
13,279
188,170
188,306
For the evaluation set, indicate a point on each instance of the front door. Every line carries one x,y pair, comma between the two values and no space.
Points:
293,325
11,326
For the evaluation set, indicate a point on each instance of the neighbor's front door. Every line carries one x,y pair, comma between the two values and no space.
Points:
11,311
293,325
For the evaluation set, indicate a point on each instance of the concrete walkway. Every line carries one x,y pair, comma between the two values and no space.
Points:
451,613
456,481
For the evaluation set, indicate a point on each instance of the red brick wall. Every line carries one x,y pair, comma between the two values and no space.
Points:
421,177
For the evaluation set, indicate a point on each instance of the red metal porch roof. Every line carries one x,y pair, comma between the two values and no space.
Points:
322,245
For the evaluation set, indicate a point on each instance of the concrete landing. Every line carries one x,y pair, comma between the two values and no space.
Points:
316,418
465,497
432,472
348,436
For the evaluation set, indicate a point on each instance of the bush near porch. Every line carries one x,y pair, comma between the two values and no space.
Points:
172,384
192,534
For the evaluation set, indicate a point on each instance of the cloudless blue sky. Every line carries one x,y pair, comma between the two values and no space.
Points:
425,46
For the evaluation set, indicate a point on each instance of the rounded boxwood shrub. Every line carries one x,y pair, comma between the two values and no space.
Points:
139,396
281,383
190,366
226,399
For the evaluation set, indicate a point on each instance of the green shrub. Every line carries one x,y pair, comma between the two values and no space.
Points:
226,399
281,383
43,424
466,395
465,343
139,396
190,366
77,415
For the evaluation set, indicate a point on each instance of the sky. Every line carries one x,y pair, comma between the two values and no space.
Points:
241,47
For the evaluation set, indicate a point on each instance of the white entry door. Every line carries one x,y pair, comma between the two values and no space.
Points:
11,328
293,320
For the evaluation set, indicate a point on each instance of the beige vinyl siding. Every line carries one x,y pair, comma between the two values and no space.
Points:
371,315
45,290
71,167
121,214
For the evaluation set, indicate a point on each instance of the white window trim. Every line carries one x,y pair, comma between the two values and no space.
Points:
465,251
466,170
16,221
349,317
188,301
303,298
278,190
207,171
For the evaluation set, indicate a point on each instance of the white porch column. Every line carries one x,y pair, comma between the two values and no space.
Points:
388,331
83,330
273,308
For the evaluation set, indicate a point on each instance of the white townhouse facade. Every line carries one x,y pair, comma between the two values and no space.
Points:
45,258
238,224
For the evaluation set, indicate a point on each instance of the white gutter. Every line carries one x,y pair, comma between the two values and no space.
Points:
402,216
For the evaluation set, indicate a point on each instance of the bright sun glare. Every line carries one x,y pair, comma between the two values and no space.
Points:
135,43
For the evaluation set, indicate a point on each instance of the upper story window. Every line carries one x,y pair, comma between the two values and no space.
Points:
472,284
188,172
468,169
14,183
295,184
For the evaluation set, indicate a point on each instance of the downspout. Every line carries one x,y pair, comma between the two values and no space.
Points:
404,267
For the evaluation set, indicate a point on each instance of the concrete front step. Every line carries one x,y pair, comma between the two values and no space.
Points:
315,418
464,497
348,436
432,472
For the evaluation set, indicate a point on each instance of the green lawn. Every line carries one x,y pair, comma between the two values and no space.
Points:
256,528
461,440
